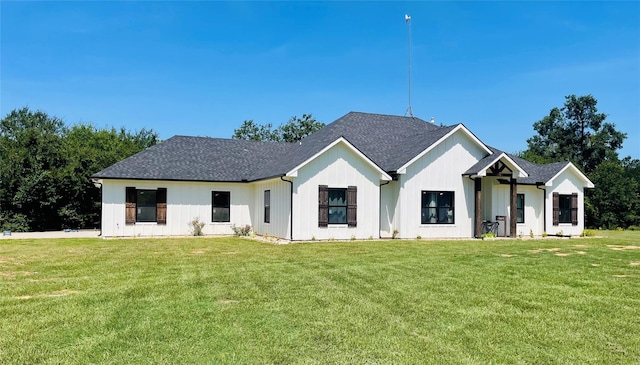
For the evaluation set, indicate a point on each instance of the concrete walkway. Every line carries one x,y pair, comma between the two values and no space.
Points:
83,233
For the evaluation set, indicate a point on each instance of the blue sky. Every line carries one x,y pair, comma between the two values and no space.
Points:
203,67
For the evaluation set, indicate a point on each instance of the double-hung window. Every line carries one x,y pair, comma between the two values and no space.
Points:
337,206
438,207
220,206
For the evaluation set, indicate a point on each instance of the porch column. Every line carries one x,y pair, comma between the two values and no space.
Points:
478,191
513,213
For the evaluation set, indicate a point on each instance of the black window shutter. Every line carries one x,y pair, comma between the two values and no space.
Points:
161,205
574,209
556,209
352,206
323,206
130,206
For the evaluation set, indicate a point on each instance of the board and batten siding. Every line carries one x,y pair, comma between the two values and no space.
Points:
279,225
533,208
185,202
388,208
565,184
440,169
338,167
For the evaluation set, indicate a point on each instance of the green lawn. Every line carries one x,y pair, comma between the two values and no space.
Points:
232,300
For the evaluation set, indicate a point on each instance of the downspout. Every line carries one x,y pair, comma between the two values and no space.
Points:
290,208
544,208
380,208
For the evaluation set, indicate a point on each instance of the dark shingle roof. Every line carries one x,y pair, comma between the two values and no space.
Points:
387,140
197,159
537,173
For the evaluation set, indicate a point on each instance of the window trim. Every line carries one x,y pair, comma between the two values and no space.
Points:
131,206
213,206
351,196
564,206
150,205
342,206
267,206
520,209
573,209
428,220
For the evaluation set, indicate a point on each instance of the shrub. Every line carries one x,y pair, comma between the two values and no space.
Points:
242,230
633,228
488,235
195,226
353,237
531,233
619,229
544,234
16,223
588,233
559,234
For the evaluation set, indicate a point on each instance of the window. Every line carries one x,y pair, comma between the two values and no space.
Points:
565,208
220,206
146,205
520,208
337,206
267,206
438,207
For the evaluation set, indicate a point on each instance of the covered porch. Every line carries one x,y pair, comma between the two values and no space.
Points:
497,207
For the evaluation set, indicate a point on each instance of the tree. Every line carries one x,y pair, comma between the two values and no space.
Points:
251,131
45,169
615,201
31,155
89,150
298,128
292,131
576,132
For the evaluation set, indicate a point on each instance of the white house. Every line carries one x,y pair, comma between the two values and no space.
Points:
362,176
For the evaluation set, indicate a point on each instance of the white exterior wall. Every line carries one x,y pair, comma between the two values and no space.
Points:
533,209
279,225
388,209
338,167
185,201
565,184
440,169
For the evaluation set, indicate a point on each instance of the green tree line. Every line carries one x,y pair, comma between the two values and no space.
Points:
577,132
292,131
45,167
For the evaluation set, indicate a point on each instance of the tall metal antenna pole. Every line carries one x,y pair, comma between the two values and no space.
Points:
407,19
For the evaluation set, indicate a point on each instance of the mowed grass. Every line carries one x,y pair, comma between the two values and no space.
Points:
232,300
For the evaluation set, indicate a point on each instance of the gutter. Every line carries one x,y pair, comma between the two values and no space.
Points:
290,208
